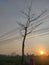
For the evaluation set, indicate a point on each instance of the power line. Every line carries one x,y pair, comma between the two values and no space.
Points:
10,32
38,31
18,38
7,33
10,38
43,34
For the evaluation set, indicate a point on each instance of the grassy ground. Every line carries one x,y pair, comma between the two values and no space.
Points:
16,60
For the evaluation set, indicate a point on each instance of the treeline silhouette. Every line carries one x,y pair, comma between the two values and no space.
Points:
16,60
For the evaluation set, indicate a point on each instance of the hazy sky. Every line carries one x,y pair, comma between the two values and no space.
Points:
10,12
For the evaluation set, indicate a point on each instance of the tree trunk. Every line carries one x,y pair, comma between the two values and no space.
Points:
23,44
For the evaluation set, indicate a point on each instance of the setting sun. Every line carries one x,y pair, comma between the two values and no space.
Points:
42,52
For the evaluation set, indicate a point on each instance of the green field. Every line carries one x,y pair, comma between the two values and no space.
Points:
16,60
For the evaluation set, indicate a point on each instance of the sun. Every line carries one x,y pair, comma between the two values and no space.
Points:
42,52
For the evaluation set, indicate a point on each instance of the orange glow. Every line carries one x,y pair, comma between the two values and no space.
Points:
42,52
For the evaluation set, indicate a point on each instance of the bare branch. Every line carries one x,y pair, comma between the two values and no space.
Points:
26,27
28,22
33,28
29,32
20,24
25,14
32,15
39,16
38,25
39,20
30,9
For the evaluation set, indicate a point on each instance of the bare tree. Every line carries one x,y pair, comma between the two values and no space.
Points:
31,22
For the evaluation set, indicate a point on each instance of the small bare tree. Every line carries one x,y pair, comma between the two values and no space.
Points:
30,22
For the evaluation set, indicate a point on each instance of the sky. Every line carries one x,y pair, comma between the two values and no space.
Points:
10,38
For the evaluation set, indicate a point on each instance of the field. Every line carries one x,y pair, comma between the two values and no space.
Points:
16,60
